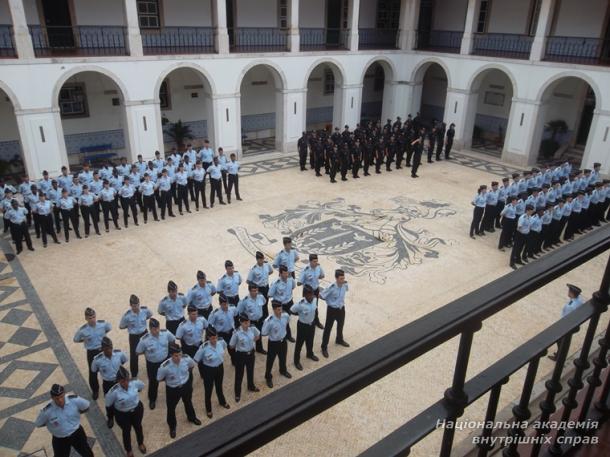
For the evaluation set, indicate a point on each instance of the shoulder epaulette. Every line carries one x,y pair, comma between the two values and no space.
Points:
164,364
101,321
47,406
114,387
98,355
127,312
208,282
146,335
180,294
117,350
82,327
72,396
195,286
143,307
163,330
182,323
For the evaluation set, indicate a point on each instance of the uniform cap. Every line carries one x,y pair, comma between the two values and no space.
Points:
174,348
597,164
57,390
200,275
243,317
153,323
89,312
260,255
574,289
276,304
516,175
252,286
527,207
286,240
210,331
505,179
283,268
106,342
339,272
313,257
191,308
134,300
171,286
494,183
122,373
222,298
228,263
307,289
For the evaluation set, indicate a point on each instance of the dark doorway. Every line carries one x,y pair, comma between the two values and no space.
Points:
586,118
58,23
231,21
333,22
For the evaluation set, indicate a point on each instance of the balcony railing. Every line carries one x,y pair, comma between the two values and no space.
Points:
502,45
313,39
377,38
282,410
178,40
440,41
7,43
83,40
258,39
587,51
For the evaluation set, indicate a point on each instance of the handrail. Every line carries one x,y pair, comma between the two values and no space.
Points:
280,411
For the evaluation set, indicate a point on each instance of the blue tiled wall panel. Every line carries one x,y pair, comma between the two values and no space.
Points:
9,149
256,122
76,141
199,130
319,115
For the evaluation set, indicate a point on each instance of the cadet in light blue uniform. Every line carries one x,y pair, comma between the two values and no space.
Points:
210,358
124,399
252,305
61,416
108,363
201,295
206,154
310,276
91,335
576,300
229,283
17,216
154,347
521,234
334,296
275,329
165,193
109,205
176,372
223,320
89,210
147,188
134,320
68,214
172,307
233,171
259,275
509,223
243,342
222,163
287,256
190,331
281,291
215,178
127,196
479,202
199,185
307,310
182,189
44,209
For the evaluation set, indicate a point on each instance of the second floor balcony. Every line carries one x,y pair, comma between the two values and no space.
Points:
258,39
439,41
509,45
7,42
377,38
313,39
178,40
83,40
578,50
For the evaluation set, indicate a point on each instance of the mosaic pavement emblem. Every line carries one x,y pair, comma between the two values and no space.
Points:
362,242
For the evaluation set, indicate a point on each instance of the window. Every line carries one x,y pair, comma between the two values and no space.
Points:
483,21
388,14
379,80
329,82
148,14
345,14
73,101
283,13
164,102
532,23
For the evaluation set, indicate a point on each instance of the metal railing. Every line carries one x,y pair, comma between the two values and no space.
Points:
258,39
377,38
7,41
587,51
178,40
279,412
82,40
440,41
509,45
312,39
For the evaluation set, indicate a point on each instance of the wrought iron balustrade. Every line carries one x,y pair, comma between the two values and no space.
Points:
440,41
580,50
509,45
178,40
7,41
258,39
82,40
312,39
377,38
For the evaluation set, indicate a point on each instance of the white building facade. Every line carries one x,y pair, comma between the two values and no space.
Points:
80,77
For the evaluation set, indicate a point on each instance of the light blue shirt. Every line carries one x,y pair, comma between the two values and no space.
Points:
181,178
547,217
243,341
173,310
124,400
108,366
54,195
17,216
229,285
523,225
281,290
509,211
571,305
211,355
222,162
96,186
44,185
190,332
76,190
175,374
65,182
108,194
141,166
286,258
334,296
155,348
127,191
86,199
85,177
567,209
44,208
306,310
253,307
480,200
214,171
164,183
62,422
492,197
259,274
275,328
201,297
557,213
198,174
233,167
223,321
206,155
92,335
147,188
311,276
535,224
135,323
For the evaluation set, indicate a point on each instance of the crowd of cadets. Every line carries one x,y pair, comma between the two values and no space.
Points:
235,327
539,210
179,179
373,145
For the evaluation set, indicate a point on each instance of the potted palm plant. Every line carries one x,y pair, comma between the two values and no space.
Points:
179,132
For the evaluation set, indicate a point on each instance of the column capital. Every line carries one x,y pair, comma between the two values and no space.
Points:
36,111
457,90
351,86
141,102
526,101
291,91
223,96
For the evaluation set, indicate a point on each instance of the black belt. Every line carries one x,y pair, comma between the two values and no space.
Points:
247,353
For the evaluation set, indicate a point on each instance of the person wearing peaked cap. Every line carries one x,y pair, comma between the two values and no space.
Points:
491,205
521,236
61,416
275,329
124,399
172,307
134,320
259,275
573,225
243,341
281,291
546,235
479,202
307,310
509,223
287,256
91,335
210,358
223,320
334,296
229,283
575,301
200,295
108,363
190,331
154,346
252,305
176,372
311,276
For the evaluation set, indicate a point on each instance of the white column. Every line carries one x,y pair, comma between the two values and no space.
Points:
23,39
219,20
294,35
227,122
42,141
598,143
353,15
415,94
524,132
470,26
409,17
144,131
457,105
134,38
291,122
545,20
351,104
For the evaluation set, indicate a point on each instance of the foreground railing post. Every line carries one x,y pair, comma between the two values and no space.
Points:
455,397
490,417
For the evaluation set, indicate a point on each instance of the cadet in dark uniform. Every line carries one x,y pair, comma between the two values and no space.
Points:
91,335
108,363
367,155
344,161
172,307
356,158
124,399
449,142
210,358
334,296
61,416
440,137
134,320
379,152
417,146
275,328
333,159
307,310
243,342
302,147
176,372
154,346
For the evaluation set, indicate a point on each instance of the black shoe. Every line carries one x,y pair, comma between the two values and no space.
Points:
188,211
319,325
44,245
237,398
56,242
325,353
151,405
209,414
110,422
136,224
553,357
313,357
269,383
226,406
261,351
473,237
98,233
30,249
414,176
519,262
195,421
291,339
222,203
79,237
172,433
286,375
254,389
342,343
298,366
513,266
95,395
239,198
172,215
